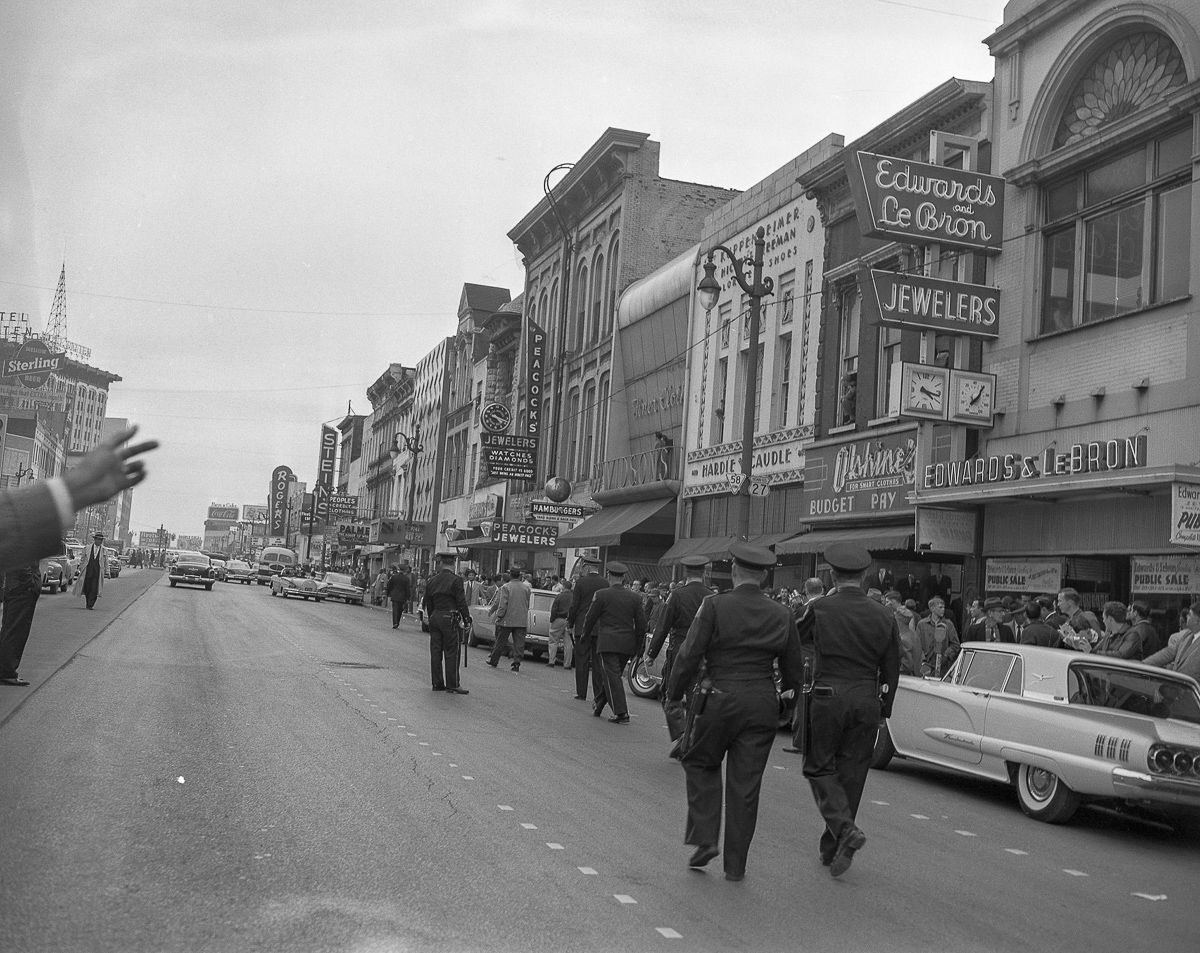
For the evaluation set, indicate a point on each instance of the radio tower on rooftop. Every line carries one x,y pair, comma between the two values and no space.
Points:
56,325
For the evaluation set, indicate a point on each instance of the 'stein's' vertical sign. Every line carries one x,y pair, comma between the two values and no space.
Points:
535,365
326,463
281,476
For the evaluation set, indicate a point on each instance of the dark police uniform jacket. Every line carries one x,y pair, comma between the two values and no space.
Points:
445,593
740,634
857,642
676,617
581,597
617,617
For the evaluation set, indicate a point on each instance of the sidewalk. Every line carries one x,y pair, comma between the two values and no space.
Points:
63,626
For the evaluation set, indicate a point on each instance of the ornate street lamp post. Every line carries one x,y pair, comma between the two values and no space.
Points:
709,291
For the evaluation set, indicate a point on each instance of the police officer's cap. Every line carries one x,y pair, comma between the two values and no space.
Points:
694,562
846,557
616,569
447,557
752,557
590,560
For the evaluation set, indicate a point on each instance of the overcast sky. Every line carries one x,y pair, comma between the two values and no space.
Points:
260,205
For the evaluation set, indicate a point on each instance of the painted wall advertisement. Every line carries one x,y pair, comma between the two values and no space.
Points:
1164,575
1033,576
860,477
1185,514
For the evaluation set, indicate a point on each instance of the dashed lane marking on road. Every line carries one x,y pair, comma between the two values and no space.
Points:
467,777
778,767
554,846
423,744
504,807
669,933
454,765
882,803
623,898
1151,896
1018,853
1074,873
966,833
181,780
393,719
920,817
528,826
411,734
590,871
436,754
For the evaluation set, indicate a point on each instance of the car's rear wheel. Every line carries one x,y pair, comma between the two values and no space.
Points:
1043,795
641,682
884,751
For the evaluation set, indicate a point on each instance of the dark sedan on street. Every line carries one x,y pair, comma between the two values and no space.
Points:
192,569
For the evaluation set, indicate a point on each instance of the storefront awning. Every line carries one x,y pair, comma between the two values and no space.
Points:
606,527
874,538
714,547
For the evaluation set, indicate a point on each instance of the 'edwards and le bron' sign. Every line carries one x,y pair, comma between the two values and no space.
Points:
916,201
1094,457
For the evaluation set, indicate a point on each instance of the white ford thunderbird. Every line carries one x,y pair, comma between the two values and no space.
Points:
1059,726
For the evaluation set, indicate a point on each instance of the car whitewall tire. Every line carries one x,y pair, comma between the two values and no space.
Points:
1043,795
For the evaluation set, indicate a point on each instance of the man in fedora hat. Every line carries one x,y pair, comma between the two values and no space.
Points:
855,644
93,570
735,640
995,629
616,620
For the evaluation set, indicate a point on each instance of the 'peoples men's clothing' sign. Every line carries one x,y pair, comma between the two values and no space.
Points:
1164,575
916,201
860,477
1033,576
932,304
1093,457
509,457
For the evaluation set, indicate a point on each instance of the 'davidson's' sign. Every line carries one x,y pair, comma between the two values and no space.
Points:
916,201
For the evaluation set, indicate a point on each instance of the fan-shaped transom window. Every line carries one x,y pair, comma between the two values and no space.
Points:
1134,72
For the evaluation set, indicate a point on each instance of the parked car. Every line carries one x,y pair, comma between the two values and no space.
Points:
337,585
303,587
192,569
537,634
1060,727
236,570
114,562
51,570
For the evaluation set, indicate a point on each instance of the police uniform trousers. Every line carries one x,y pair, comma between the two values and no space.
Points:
443,648
843,718
738,727
610,688
585,660
674,712
19,604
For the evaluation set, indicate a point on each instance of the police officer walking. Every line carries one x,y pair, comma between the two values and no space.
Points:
445,605
734,640
856,648
673,624
586,588
616,620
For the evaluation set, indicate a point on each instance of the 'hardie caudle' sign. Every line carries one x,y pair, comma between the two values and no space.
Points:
916,201
33,364
933,304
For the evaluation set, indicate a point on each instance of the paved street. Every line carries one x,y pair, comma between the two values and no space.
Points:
226,771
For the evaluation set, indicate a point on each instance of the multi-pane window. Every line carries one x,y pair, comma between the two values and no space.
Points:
717,431
588,426
786,297
1118,234
783,380
850,316
724,315
888,368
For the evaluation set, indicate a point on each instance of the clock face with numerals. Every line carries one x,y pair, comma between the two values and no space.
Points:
973,397
923,391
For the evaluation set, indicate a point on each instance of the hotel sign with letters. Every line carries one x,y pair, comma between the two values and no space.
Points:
918,202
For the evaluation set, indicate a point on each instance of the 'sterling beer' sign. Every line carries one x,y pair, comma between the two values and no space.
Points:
919,202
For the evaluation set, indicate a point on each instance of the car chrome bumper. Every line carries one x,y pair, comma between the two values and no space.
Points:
1142,785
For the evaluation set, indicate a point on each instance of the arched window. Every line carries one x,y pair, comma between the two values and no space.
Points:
1116,231
588,429
579,312
597,299
610,304
602,417
571,435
